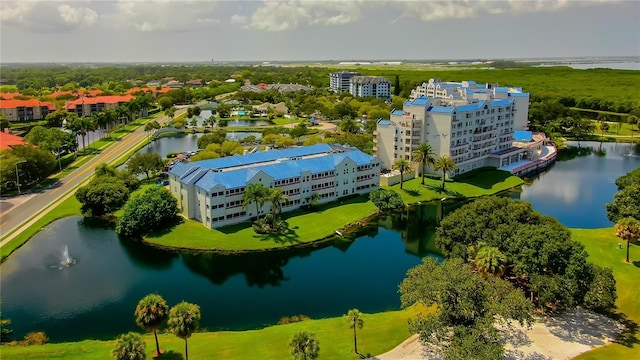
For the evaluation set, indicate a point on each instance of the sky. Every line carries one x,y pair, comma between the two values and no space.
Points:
293,30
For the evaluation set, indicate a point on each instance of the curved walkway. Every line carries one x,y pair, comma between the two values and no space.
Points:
560,337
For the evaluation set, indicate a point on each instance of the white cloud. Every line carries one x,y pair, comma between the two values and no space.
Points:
76,15
285,15
48,16
238,19
165,15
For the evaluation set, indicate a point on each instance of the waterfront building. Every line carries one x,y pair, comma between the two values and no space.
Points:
341,81
365,86
25,110
85,106
476,125
210,191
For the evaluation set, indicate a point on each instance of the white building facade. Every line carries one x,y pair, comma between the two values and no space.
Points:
470,123
340,81
211,191
365,86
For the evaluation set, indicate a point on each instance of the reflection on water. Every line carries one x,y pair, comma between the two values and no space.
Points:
577,187
234,291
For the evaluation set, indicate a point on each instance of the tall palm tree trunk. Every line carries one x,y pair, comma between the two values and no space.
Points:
423,170
444,176
186,350
628,243
257,211
355,341
401,179
155,334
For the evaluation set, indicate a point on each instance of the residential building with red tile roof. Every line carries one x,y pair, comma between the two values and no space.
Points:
25,110
86,106
9,96
8,140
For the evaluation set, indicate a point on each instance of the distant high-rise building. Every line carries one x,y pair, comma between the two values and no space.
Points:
341,80
364,86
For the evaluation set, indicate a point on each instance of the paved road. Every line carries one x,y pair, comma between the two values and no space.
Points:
19,214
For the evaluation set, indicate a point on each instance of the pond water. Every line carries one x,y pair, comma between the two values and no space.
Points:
96,296
187,142
231,122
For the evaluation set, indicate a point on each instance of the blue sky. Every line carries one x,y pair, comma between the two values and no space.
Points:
182,30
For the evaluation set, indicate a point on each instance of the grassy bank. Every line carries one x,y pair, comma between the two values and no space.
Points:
381,333
602,246
482,183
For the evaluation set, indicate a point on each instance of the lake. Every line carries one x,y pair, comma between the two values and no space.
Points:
96,297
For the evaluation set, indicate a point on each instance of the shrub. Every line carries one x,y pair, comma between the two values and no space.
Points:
35,338
386,199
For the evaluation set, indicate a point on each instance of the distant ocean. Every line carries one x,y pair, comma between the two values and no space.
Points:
620,65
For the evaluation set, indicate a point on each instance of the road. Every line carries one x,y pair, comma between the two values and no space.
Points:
18,215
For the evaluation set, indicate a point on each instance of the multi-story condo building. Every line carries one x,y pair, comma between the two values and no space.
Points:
364,86
472,124
25,110
210,191
86,106
341,81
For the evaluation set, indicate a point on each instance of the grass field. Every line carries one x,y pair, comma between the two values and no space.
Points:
381,333
602,246
304,227
484,183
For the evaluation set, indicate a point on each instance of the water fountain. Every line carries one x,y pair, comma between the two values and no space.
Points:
66,259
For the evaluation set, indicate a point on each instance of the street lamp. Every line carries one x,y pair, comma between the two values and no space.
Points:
18,176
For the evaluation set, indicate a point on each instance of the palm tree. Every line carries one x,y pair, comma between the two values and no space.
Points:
424,155
304,346
354,319
489,260
403,166
632,120
184,319
254,193
129,347
170,112
603,127
628,229
150,313
445,164
150,126
276,197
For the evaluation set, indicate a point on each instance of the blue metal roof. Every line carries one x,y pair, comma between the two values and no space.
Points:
384,122
422,100
278,171
502,89
519,94
397,112
441,109
263,156
471,107
522,135
501,102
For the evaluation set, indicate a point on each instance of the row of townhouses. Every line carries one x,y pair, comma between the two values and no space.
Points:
473,124
33,109
360,86
211,191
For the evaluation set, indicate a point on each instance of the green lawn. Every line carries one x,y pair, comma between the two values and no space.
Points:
602,246
482,183
303,227
69,207
283,121
381,333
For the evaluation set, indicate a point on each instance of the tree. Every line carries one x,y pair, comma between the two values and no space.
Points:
386,199
489,260
626,203
603,127
304,346
54,119
129,347
39,164
632,177
150,313
184,320
102,196
403,166
150,126
276,197
468,305
355,321
445,164
151,210
145,163
396,87
4,122
424,155
5,331
170,112
632,120
628,229
349,125
254,193
602,293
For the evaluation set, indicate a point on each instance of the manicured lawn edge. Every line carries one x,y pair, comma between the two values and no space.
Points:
306,228
602,246
381,333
